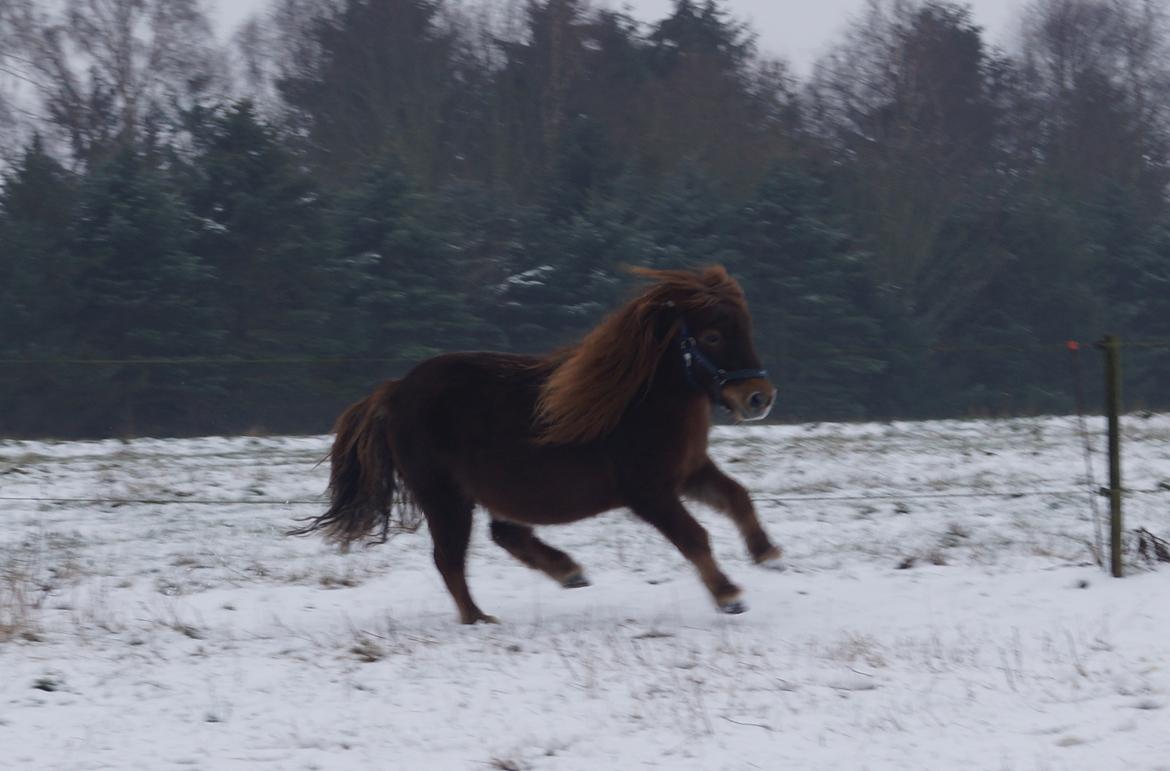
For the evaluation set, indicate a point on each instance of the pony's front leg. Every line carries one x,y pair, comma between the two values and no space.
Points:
711,486
667,513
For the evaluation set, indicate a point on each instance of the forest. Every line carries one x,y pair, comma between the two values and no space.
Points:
205,236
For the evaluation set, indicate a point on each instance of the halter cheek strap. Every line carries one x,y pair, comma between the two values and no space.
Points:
694,358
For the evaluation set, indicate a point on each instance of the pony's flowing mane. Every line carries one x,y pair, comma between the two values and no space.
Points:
594,381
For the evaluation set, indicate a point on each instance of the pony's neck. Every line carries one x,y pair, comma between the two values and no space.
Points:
670,376
670,386
623,366
670,416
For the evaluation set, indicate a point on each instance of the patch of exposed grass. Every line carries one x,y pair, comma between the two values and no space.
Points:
367,650
20,602
858,647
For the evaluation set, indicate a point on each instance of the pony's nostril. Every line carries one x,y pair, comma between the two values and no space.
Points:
757,401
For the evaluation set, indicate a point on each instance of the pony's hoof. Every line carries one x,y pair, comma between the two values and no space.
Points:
575,581
482,618
771,558
775,563
733,607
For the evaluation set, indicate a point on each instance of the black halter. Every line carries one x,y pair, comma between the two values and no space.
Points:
694,357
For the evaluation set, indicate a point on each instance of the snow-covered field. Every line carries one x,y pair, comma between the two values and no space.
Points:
912,630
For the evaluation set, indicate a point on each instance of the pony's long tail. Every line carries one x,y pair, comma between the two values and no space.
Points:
366,492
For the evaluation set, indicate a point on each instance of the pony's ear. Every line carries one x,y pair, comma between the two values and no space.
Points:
714,275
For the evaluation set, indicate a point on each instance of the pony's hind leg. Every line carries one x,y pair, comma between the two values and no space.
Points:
522,543
711,486
448,515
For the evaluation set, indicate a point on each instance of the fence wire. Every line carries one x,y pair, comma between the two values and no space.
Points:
338,360
756,499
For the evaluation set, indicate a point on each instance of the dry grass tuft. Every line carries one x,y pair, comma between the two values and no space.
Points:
19,604
505,764
367,650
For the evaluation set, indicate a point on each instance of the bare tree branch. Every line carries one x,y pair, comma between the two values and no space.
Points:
106,69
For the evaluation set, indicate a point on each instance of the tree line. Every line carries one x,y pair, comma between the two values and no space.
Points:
351,186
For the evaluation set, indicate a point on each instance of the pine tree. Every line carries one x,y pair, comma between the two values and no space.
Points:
37,289
1132,274
402,281
564,280
141,292
262,224
686,221
705,103
379,78
35,266
1149,321
1037,297
815,315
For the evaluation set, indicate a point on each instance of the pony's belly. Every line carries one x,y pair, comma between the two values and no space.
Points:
544,516
551,492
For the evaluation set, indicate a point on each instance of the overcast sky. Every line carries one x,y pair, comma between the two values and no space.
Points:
799,30
796,30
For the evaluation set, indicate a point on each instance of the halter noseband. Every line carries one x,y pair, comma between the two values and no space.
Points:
694,357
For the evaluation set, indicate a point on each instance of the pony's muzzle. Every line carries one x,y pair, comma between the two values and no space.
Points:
750,399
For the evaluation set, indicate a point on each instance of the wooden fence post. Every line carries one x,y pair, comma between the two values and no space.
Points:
1112,347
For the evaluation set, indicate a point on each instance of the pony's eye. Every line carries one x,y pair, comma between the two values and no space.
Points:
712,338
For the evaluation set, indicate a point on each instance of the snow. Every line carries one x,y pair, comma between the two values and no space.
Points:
196,635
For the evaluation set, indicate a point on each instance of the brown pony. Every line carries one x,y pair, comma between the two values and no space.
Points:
620,419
